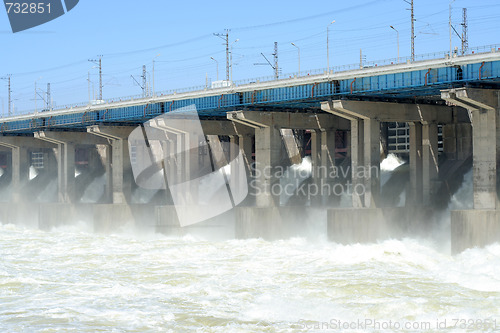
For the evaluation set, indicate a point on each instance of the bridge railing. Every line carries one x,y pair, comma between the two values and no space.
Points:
302,74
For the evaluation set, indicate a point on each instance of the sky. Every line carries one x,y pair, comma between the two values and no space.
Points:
179,36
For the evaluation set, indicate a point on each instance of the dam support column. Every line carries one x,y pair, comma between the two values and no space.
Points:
430,165
480,226
20,171
324,173
415,195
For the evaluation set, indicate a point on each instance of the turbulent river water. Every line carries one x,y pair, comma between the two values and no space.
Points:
70,279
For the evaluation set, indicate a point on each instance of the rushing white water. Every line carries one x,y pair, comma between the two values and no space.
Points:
95,190
33,172
70,279
293,177
390,163
463,198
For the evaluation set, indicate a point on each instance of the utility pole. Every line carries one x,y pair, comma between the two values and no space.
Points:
412,29
49,98
465,38
99,63
276,67
144,81
412,33
225,37
7,78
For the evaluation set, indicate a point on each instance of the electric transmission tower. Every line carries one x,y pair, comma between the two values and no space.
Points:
49,98
412,29
276,67
9,91
225,37
99,63
465,38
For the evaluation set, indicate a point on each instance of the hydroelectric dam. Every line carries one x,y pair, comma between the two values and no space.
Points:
256,131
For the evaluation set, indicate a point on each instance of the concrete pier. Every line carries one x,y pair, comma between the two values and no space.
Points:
480,226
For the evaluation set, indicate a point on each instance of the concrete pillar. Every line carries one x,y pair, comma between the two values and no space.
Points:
217,152
246,148
450,149
357,160
372,162
323,163
430,163
464,140
20,171
479,227
416,189
108,190
316,136
245,143
66,173
485,173
291,146
267,157
120,163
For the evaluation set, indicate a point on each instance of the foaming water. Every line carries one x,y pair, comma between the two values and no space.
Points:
33,172
391,162
293,177
463,198
70,279
95,190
